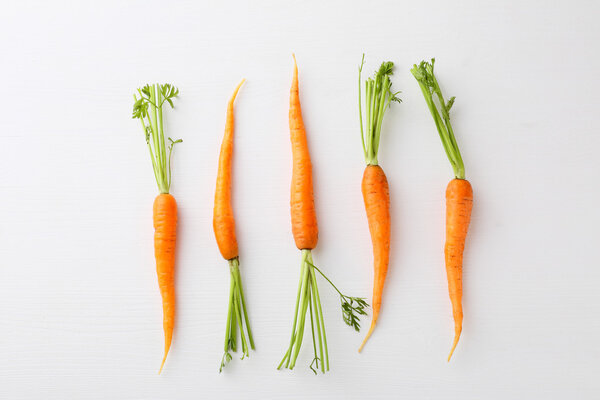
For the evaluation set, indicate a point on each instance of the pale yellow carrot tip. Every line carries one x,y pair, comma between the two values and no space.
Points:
367,337
235,92
456,337
295,65
162,364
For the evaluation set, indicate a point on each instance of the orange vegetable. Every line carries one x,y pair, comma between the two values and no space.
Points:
375,189
376,195
165,233
459,194
459,203
224,227
148,109
306,233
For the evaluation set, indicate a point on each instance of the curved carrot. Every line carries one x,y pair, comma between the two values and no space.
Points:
165,232
376,195
304,216
375,189
306,234
459,203
459,194
148,108
223,220
224,228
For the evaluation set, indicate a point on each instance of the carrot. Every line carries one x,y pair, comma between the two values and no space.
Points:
306,234
375,189
165,232
224,228
459,202
148,109
459,194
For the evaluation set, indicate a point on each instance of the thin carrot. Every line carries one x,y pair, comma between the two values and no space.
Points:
224,228
375,189
165,233
305,231
459,194
148,109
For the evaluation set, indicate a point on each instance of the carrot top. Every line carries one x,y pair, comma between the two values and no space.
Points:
378,96
429,86
148,108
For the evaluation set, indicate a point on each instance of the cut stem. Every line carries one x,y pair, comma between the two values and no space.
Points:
237,317
307,299
424,75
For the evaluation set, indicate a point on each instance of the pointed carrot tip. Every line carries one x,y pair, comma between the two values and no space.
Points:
367,337
162,364
456,337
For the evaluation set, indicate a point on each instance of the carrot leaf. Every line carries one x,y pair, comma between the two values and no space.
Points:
352,307
378,97
440,111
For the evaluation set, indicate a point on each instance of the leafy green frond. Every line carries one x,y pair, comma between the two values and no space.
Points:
440,111
352,307
378,97
147,107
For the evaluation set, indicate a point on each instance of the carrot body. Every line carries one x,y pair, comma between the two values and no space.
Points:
165,227
223,219
459,203
376,195
304,217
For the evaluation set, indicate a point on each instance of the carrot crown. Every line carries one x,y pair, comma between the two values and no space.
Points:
429,86
378,96
148,109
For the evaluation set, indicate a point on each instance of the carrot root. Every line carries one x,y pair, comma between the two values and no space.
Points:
459,203
376,196
165,225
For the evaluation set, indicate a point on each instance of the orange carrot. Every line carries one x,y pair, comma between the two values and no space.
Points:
223,220
376,196
148,109
224,227
375,189
459,202
306,233
459,194
165,232
304,216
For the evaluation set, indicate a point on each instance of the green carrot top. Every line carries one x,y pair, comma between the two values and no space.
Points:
378,96
148,108
429,86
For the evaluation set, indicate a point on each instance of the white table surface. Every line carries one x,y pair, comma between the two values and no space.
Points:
80,314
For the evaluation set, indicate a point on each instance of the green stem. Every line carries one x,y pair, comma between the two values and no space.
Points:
237,316
378,95
320,320
291,346
425,76
362,136
307,300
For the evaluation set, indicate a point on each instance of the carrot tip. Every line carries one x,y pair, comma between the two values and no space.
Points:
162,364
367,337
456,337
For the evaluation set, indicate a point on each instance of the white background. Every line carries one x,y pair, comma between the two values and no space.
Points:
80,314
